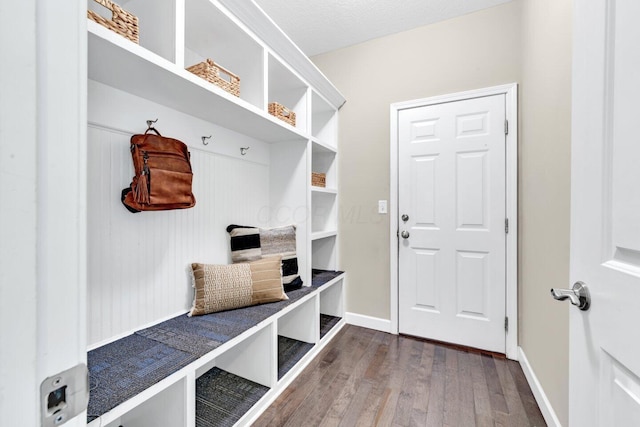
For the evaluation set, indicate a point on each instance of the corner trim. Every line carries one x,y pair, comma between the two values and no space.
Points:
382,325
266,29
538,392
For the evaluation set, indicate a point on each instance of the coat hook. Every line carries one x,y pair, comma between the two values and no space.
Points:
150,123
243,150
204,139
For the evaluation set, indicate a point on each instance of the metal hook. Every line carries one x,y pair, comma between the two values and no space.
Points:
150,123
243,150
204,138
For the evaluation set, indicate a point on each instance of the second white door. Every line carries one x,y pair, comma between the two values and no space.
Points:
451,177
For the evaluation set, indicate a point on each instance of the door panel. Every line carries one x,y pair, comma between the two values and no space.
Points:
472,203
605,212
472,288
423,173
452,186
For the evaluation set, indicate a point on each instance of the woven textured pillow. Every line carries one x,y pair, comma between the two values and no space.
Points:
245,243
225,287
279,241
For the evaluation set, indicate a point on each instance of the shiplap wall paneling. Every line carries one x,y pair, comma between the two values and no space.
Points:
138,262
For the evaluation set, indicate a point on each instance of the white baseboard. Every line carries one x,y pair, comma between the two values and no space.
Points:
375,323
541,398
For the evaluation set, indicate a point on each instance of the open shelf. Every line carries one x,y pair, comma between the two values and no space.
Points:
324,161
324,121
156,23
323,277
319,146
285,88
290,352
319,235
324,212
223,398
327,323
210,33
324,190
153,411
324,252
112,57
297,334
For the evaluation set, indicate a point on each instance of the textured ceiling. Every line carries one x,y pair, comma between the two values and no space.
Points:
319,26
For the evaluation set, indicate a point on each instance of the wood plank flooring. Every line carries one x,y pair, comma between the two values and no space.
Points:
369,378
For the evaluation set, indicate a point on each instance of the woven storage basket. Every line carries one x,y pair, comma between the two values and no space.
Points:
318,179
210,71
283,113
122,22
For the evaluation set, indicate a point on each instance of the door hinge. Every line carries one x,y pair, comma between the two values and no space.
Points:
506,225
506,324
506,127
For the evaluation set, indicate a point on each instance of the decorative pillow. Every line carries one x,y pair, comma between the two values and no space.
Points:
245,243
224,287
279,241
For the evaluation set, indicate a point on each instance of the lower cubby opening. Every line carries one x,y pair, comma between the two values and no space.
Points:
222,398
327,323
290,352
166,408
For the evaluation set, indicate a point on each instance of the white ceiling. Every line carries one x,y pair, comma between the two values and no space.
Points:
319,26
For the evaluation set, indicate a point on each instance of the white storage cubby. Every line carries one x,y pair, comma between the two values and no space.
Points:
324,120
331,301
324,161
210,33
331,307
286,88
324,209
153,412
267,184
325,253
251,358
157,23
297,334
300,324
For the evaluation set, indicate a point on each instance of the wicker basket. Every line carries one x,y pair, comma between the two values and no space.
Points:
210,71
122,22
318,179
282,113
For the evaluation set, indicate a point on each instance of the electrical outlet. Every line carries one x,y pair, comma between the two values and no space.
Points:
382,206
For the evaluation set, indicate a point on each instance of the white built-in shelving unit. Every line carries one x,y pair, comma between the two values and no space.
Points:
136,263
324,200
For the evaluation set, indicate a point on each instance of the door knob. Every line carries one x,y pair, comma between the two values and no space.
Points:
578,295
405,217
405,234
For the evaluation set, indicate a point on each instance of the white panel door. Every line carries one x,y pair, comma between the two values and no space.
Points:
604,363
451,162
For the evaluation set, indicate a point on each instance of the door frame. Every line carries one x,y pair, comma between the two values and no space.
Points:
43,196
511,155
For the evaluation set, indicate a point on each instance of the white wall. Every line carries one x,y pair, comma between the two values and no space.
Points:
545,167
474,51
524,41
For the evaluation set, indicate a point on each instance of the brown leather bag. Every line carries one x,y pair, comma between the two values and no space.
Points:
163,174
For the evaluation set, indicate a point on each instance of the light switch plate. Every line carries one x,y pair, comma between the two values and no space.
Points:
382,206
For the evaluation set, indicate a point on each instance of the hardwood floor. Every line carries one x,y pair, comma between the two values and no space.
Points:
369,378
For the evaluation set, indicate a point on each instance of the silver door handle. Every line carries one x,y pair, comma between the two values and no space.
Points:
578,295
405,234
